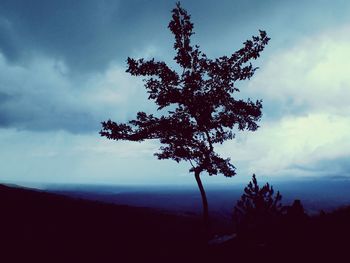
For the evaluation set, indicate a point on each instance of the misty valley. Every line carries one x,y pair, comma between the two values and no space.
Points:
316,194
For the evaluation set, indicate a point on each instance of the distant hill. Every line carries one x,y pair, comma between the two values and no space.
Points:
315,193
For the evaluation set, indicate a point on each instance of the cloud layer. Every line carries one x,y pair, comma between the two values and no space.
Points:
62,72
306,89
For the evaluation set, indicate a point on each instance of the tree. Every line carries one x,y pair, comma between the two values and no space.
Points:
258,214
261,218
257,204
195,106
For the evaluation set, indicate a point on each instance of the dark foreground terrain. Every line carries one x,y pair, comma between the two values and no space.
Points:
42,227
38,226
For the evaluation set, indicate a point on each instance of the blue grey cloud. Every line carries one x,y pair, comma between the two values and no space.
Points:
87,36
336,167
62,71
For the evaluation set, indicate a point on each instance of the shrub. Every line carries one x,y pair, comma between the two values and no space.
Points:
257,210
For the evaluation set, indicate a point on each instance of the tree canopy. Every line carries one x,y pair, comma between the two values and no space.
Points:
196,105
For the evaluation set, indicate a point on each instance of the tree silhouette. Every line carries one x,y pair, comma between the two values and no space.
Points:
258,213
257,203
196,107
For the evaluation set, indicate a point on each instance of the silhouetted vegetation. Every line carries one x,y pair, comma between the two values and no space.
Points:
257,203
267,231
257,209
37,226
260,217
196,105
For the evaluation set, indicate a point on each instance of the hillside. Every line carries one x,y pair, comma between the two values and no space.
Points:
39,226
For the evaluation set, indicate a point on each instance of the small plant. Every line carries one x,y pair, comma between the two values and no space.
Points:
257,209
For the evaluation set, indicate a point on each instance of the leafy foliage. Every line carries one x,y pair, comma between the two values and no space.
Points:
257,205
261,219
200,109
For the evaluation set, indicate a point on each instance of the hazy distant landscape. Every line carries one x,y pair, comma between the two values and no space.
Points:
316,194
93,221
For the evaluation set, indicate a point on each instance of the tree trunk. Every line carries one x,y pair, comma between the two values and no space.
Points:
204,201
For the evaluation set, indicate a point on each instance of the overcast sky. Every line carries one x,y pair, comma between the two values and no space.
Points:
62,72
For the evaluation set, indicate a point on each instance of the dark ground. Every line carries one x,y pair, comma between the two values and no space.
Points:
43,227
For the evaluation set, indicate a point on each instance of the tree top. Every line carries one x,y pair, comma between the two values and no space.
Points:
196,106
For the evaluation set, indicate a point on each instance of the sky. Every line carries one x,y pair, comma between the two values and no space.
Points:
62,72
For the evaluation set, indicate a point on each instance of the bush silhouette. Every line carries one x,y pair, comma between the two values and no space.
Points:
257,210
261,218
257,202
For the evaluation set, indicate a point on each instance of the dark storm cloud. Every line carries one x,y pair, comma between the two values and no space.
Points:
7,40
45,119
85,34
88,35
30,112
62,72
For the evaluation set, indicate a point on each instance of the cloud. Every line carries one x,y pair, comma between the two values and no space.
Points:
294,145
40,96
312,76
62,72
85,35
305,128
61,157
88,35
